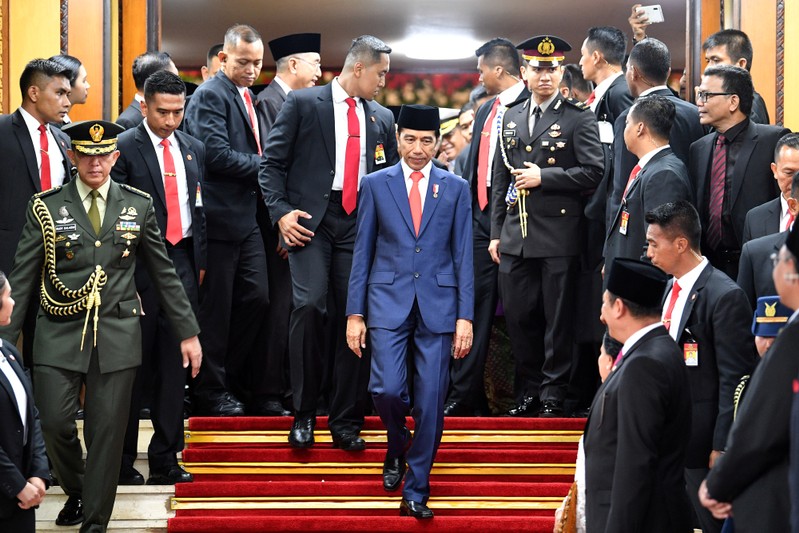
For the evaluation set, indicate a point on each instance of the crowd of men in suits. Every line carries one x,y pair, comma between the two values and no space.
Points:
594,191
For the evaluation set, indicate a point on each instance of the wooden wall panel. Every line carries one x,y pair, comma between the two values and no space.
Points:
791,73
133,38
85,42
759,21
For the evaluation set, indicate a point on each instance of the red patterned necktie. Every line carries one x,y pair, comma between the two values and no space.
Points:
251,114
633,174
415,199
352,159
591,98
174,229
718,172
790,221
482,157
47,183
675,293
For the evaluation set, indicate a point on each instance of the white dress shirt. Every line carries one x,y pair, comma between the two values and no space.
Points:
635,337
423,183
56,159
340,108
602,88
687,283
18,388
543,106
506,97
283,85
180,171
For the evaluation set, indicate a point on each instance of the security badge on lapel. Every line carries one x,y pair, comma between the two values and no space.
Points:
625,220
380,154
690,347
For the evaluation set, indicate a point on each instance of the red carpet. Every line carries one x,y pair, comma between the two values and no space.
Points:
490,473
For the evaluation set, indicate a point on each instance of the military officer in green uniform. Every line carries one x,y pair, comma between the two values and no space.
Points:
549,156
78,254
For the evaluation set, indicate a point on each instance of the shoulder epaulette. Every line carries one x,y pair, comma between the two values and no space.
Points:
517,102
135,190
48,192
576,103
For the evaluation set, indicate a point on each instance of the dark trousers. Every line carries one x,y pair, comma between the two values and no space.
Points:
537,294
323,265
273,339
693,478
162,364
388,384
466,375
20,521
105,418
233,303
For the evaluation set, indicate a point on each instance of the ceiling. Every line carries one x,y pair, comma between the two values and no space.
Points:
190,27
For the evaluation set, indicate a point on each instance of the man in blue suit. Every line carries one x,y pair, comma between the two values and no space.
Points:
412,281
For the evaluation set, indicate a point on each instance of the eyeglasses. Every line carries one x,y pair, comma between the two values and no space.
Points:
314,64
704,95
775,259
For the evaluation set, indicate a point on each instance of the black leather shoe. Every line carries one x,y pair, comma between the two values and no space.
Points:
528,407
169,476
349,442
72,512
301,434
581,413
267,407
393,472
457,409
551,409
130,476
220,404
415,509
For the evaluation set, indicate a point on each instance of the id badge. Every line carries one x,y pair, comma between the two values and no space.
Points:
198,200
605,132
691,353
625,219
380,155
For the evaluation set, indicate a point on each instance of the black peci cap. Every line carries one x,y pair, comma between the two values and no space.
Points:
638,282
296,43
418,117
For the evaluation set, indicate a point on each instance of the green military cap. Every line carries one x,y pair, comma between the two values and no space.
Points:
93,137
544,50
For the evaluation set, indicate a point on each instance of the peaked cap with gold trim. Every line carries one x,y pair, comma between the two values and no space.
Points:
544,50
93,137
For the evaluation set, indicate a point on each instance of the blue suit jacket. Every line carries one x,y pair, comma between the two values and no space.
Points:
392,267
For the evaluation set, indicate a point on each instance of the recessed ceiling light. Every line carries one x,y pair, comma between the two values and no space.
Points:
437,46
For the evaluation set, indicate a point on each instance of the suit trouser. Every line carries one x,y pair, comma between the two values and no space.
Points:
324,265
389,387
20,521
538,297
467,385
274,333
163,364
233,303
105,415
694,478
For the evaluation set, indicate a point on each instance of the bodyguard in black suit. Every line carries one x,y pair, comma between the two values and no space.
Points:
143,66
549,155
661,177
750,480
24,473
775,216
499,66
648,69
142,164
709,317
739,154
311,198
297,62
235,292
45,101
640,421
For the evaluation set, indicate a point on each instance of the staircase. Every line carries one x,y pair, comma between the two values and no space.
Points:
490,473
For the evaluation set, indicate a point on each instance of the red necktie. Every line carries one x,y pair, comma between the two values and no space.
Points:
482,157
718,172
591,98
675,293
47,184
415,200
618,359
352,159
790,221
174,229
251,113
633,174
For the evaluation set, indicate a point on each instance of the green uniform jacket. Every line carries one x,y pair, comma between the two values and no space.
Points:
129,230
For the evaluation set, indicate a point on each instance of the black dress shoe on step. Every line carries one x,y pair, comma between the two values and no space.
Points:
415,509
267,407
72,512
528,407
130,476
219,404
457,409
349,442
393,472
551,409
301,434
169,476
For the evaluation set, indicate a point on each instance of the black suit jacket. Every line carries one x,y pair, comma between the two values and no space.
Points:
300,162
754,267
615,101
752,183
763,220
270,100
663,179
718,317
19,180
565,144
635,440
759,112
684,131
753,473
18,461
138,167
131,116
217,117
